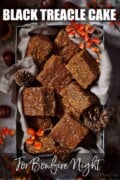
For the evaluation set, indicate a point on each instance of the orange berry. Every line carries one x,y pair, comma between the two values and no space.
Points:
68,28
96,40
4,131
89,28
71,33
82,45
11,132
30,131
95,49
81,27
33,137
89,44
82,33
86,37
29,141
40,132
37,145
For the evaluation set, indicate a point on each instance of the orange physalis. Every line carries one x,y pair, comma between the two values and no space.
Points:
11,132
68,28
81,45
86,37
30,131
89,28
85,33
89,43
4,131
96,40
40,133
33,137
95,49
37,145
80,27
71,33
30,140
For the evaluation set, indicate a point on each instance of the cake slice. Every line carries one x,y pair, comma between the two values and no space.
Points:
38,101
54,73
62,107
39,48
66,48
44,123
84,68
77,97
68,132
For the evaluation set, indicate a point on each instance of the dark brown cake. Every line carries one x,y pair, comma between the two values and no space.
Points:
47,146
39,48
70,109
62,106
77,97
66,47
54,73
44,123
62,153
68,132
84,68
39,122
38,101
59,106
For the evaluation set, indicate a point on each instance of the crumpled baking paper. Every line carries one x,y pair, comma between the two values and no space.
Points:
7,82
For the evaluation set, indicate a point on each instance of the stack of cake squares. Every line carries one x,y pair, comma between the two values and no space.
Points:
62,93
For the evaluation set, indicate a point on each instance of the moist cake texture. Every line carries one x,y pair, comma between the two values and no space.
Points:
38,101
68,132
78,97
84,68
54,107
54,73
66,47
39,48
